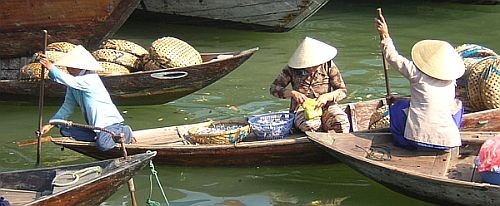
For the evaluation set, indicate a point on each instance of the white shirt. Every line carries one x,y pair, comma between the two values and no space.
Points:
88,92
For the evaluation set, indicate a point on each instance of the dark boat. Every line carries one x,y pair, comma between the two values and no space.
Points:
57,185
261,15
144,87
81,22
173,149
445,178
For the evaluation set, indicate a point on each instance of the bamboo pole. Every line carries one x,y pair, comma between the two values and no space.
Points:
40,104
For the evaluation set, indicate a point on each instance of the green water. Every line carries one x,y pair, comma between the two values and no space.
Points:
348,25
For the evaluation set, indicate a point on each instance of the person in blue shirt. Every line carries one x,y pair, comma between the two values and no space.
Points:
85,89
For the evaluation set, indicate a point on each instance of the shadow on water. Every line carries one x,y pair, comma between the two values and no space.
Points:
304,185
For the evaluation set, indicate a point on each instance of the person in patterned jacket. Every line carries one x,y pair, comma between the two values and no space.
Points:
313,75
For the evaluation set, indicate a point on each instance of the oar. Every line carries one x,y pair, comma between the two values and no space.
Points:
116,137
387,87
33,141
40,104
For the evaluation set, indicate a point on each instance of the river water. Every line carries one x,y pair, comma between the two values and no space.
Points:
348,25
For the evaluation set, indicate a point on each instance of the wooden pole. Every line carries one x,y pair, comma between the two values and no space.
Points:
386,76
131,185
40,103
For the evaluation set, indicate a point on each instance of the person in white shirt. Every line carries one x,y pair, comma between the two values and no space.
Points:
432,116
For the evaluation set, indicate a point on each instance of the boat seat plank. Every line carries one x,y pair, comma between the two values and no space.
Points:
442,162
18,197
157,136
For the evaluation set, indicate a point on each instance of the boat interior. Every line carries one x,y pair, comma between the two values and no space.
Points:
20,188
457,163
359,114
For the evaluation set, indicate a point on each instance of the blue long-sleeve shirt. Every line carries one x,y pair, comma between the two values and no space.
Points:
88,92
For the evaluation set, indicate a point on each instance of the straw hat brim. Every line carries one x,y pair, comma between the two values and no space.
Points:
438,59
79,58
311,52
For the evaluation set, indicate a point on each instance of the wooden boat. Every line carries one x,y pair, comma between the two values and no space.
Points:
446,178
80,22
263,15
144,87
172,148
36,186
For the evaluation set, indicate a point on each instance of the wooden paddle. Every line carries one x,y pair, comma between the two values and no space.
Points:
116,137
40,103
387,87
33,141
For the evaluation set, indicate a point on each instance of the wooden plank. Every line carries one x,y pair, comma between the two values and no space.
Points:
18,197
442,162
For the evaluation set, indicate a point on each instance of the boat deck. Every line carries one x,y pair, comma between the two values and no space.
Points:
457,164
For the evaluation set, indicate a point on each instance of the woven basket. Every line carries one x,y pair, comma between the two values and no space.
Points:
111,69
172,52
461,89
474,50
220,132
490,78
125,46
380,118
118,57
34,71
469,62
60,46
272,125
474,83
53,56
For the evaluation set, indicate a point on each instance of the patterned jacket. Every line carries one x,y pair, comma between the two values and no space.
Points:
326,79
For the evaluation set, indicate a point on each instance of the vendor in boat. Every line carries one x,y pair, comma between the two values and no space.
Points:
85,89
432,115
314,78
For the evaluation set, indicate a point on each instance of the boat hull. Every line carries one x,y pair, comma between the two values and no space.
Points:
259,153
169,143
81,22
267,15
115,173
139,88
427,187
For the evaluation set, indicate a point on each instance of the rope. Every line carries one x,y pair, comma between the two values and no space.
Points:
377,153
66,123
76,175
155,173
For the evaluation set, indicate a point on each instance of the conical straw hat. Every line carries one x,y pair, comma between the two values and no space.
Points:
438,59
80,58
311,52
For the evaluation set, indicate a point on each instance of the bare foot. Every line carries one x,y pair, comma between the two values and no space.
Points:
133,140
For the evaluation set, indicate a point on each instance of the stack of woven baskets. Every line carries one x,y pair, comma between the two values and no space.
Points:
479,87
54,52
118,56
